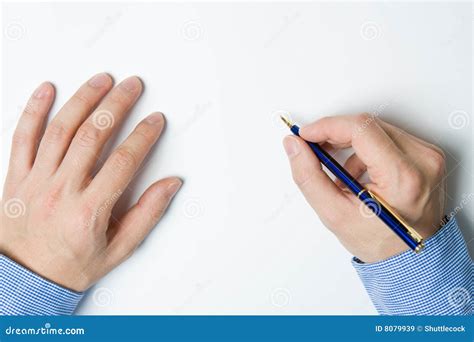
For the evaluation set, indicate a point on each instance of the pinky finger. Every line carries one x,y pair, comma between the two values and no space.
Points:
127,233
28,132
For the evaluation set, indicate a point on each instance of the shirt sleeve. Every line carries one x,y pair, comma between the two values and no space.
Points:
437,281
23,292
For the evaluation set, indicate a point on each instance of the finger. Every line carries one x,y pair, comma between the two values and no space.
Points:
332,148
60,131
319,190
371,143
422,155
354,166
91,137
118,170
28,132
126,234
407,142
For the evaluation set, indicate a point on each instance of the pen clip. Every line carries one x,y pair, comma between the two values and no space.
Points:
410,230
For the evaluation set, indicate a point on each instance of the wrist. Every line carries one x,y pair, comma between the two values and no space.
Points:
28,293
378,249
385,247
52,269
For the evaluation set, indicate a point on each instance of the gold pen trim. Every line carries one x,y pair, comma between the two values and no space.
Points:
411,231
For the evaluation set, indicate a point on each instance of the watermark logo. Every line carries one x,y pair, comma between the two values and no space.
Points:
466,198
370,30
369,208
192,30
103,296
193,208
14,208
280,297
15,31
459,297
459,119
103,119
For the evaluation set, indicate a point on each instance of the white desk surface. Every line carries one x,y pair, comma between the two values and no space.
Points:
239,238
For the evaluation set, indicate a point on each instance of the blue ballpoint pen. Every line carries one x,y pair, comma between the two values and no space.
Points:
373,202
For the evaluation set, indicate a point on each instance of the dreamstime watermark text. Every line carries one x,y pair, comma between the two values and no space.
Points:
47,329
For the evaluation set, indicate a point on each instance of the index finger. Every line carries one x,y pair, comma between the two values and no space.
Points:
370,142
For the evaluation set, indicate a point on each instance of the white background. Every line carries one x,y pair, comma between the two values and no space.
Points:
239,238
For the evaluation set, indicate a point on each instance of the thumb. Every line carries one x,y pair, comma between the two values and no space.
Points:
326,198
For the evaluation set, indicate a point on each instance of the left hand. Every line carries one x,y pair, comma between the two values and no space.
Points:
57,215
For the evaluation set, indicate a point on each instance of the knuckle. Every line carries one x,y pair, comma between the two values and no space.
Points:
51,200
56,132
362,122
93,214
303,178
439,150
436,161
120,97
413,184
124,158
148,134
363,118
81,99
87,215
153,215
88,207
88,135
298,179
157,214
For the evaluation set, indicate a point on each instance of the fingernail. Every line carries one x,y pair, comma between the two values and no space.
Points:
131,84
99,80
292,146
154,118
42,91
174,187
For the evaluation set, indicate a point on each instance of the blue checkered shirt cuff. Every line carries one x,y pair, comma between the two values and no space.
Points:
438,281
23,292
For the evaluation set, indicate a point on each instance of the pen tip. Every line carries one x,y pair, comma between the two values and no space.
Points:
286,121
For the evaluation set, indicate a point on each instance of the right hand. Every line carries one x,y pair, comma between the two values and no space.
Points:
405,171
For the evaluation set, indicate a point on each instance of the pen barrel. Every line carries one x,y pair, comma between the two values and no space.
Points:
385,214
336,169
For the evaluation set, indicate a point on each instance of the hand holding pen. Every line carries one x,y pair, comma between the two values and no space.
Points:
407,172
